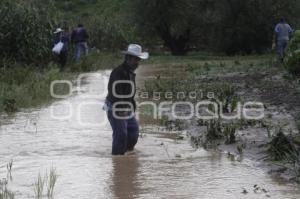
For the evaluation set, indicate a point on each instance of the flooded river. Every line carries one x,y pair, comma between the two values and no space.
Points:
73,136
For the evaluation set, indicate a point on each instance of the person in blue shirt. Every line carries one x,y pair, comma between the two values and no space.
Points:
283,33
79,37
60,35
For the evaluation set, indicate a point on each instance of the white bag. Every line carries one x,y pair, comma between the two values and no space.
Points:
58,48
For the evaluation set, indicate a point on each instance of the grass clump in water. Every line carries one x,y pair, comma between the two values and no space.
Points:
39,187
229,133
5,192
282,148
48,181
51,182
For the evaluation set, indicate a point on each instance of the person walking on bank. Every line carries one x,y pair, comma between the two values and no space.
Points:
283,33
79,37
60,47
120,104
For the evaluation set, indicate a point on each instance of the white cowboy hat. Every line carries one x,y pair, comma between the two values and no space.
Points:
136,50
58,30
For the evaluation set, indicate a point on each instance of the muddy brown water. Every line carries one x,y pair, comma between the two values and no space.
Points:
72,135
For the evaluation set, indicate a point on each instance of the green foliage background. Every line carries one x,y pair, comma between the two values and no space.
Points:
293,54
226,26
26,30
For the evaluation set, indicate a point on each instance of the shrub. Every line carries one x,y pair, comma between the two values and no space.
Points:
282,147
26,86
293,54
26,30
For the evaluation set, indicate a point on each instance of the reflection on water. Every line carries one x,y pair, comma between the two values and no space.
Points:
124,177
79,148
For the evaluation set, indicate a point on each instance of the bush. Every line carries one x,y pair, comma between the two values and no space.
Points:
283,148
293,54
28,86
104,34
26,30
107,21
22,87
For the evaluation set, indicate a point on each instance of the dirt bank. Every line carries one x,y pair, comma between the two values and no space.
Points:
255,80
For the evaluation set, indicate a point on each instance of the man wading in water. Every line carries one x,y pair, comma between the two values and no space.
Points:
120,104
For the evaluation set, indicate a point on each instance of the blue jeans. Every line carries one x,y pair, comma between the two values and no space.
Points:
80,48
281,46
125,132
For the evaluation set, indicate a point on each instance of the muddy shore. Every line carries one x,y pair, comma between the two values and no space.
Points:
261,81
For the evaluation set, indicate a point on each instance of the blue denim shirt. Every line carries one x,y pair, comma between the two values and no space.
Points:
283,31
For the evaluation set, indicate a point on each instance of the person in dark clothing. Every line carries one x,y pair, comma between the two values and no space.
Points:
283,33
79,37
120,104
61,36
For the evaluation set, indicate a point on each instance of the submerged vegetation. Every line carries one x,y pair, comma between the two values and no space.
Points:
284,149
5,192
232,80
48,181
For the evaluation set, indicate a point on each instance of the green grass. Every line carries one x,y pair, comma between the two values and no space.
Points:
24,86
5,192
39,187
29,86
196,57
48,181
227,67
52,178
97,61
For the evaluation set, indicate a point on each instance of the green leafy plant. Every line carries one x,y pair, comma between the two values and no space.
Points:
282,147
229,132
214,130
26,30
292,61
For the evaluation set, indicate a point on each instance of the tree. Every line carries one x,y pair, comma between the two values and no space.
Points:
230,26
248,25
175,22
26,30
